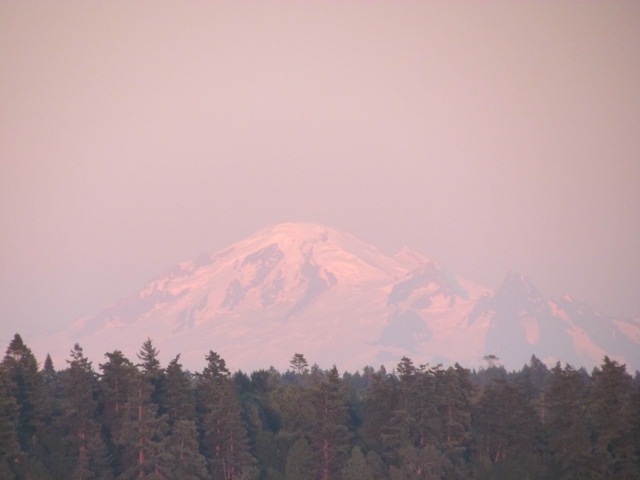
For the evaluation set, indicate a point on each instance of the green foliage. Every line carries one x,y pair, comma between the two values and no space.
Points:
610,410
9,446
299,364
179,398
356,467
329,434
564,415
300,461
417,422
225,435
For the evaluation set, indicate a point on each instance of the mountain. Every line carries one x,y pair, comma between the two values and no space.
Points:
300,287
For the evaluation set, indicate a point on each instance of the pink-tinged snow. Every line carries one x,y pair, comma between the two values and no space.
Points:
531,329
343,323
630,328
558,312
582,343
409,258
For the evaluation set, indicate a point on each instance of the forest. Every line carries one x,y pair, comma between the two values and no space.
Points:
135,418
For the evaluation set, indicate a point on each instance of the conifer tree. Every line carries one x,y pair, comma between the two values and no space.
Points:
9,447
330,434
413,437
27,388
49,449
151,368
381,399
299,464
51,381
454,412
179,398
87,459
634,427
565,423
299,364
182,454
115,387
356,467
142,432
609,408
507,432
225,435
116,382
181,450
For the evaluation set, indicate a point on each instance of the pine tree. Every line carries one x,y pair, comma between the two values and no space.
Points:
299,464
150,367
142,433
565,424
299,364
330,434
27,388
507,432
181,449
51,381
182,455
48,448
454,413
380,400
78,423
225,435
179,398
413,438
9,446
609,408
115,387
634,427
356,467
424,463
116,382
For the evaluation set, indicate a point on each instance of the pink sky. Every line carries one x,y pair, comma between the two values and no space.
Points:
489,136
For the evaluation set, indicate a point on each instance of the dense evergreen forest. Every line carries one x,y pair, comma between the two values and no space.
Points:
129,419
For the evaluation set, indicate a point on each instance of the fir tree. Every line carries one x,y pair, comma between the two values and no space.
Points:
565,423
381,399
609,408
182,454
454,413
329,434
181,449
179,399
225,435
10,454
142,433
507,432
300,461
299,364
150,367
27,388
78,422
115,387
356,467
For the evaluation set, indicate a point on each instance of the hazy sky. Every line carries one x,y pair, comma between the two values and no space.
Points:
488,136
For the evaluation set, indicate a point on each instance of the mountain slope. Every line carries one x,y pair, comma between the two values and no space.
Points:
312,289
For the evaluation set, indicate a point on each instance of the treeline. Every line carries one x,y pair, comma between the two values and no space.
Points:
131,419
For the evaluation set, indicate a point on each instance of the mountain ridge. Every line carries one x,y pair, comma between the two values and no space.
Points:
303,287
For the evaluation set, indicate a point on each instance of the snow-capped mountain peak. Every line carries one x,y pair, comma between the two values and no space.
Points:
302,287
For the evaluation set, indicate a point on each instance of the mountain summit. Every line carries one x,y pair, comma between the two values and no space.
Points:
301,287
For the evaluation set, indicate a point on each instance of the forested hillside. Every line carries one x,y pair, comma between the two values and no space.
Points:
135,418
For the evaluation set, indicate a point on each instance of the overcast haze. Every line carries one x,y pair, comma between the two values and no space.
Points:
488,136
